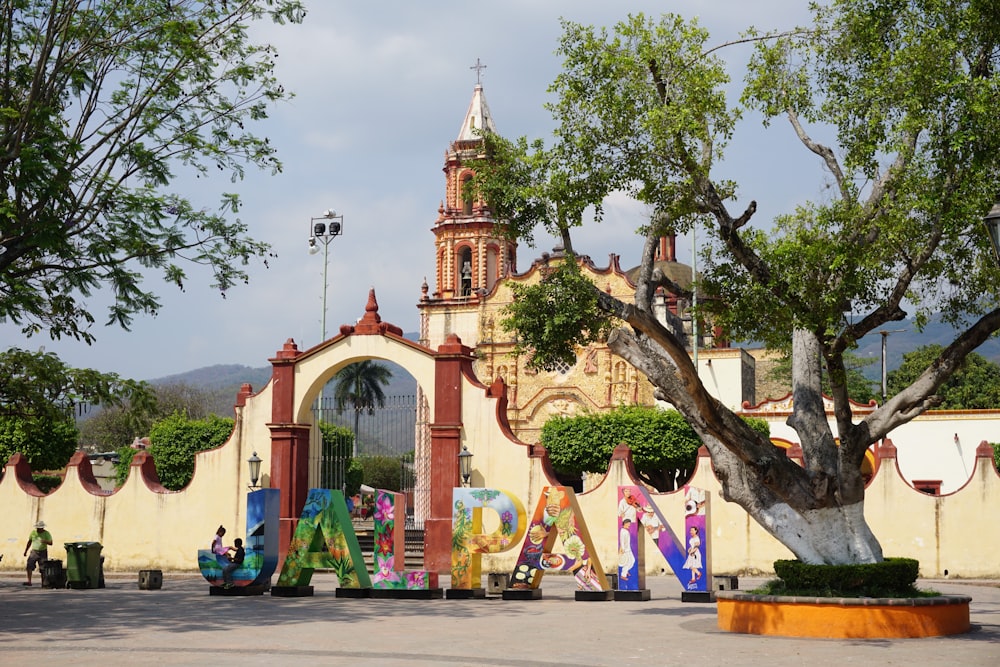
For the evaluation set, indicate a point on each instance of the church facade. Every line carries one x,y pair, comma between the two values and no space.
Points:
475,267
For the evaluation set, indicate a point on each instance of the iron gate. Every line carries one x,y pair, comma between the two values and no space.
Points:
388,431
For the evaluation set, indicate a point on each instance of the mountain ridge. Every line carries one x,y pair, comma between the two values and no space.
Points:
223,381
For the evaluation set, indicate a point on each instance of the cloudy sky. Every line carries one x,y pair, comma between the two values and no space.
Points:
381,90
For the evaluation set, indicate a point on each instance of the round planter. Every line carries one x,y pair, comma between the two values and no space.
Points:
844,618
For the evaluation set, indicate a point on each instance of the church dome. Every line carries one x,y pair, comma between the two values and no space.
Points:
675,271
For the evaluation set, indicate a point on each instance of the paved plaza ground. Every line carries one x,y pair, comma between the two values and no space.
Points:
182,625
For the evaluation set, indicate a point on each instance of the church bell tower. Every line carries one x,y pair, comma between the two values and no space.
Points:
470,255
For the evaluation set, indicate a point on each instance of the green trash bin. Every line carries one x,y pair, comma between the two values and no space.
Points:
83,564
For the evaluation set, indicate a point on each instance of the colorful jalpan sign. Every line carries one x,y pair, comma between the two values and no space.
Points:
690,559
558,521
325,538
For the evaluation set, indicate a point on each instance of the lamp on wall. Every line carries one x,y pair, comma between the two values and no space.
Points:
465,465
992,221
254,463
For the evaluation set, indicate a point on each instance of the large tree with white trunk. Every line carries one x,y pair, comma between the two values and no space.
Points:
896,100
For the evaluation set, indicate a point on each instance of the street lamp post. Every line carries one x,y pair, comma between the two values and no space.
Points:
323,230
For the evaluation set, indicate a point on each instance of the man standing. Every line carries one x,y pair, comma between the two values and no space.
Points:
38,544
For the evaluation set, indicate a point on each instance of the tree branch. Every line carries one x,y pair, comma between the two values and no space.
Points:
824,152
919,396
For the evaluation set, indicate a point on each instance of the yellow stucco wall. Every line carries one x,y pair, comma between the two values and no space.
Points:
142,529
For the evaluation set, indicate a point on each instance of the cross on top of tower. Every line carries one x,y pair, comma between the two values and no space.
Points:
479,67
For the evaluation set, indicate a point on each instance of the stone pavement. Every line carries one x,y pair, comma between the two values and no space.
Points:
182,625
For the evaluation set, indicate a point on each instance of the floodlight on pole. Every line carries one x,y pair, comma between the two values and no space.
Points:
324,229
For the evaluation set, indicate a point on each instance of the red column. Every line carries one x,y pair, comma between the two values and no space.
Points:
290,473
446,434
289,445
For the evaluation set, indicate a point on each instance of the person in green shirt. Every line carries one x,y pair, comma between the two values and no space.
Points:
38,545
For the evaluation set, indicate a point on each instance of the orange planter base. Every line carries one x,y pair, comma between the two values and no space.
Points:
844,618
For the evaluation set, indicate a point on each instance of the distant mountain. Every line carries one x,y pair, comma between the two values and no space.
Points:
223,381
903,337
219,376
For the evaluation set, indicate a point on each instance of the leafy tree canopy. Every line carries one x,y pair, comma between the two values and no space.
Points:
102,105
39,398
382,472
561,311
47,443
359,386
859,387
974,386
119,425
895,101
40,384
664,446
174,441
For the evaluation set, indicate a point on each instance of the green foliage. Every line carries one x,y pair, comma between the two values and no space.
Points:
41,385
337,440
338,443
48,444
176,439
996,455
102,104
355,477
123,464
39,397
640,108
893,577
664,447
47,483
758,424
894,101
906,85
118,425
557,315
859,387
974,386
909,89
359,386
113,428
382,472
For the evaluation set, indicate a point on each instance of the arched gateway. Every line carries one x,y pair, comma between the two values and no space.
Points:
443,375
143,525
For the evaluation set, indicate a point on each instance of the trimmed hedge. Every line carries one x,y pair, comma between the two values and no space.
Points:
893,576
47,483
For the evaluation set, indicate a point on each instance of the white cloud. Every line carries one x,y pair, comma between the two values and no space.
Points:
381,89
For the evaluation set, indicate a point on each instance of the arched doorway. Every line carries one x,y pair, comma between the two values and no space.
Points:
366,428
